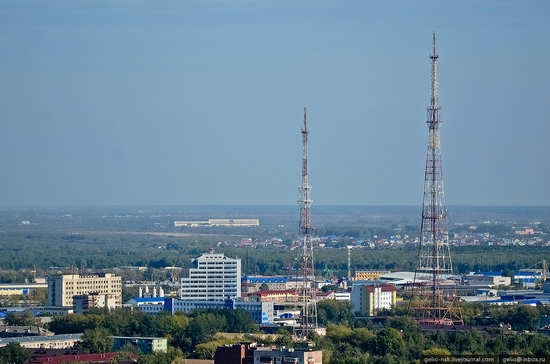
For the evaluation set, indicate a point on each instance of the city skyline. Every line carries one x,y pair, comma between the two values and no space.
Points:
132,103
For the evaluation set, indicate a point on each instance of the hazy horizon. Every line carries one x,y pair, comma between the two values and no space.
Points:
260,205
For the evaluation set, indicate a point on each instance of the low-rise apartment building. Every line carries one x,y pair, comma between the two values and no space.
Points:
253,354
84,302
368,299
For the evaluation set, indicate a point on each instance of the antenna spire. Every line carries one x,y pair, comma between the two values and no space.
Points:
434,55
434,109
309,307
433,296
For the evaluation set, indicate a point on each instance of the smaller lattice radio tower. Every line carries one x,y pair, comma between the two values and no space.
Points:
433,293
308,321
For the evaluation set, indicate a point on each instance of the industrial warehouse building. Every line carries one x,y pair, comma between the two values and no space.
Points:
11,289
219,222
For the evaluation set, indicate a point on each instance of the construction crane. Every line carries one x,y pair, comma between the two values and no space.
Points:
542,271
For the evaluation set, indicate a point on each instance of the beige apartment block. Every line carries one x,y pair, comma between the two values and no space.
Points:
369,275
62,288
83,302
369,299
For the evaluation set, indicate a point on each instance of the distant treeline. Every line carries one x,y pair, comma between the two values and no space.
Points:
64,252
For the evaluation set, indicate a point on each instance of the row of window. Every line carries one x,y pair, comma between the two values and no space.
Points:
231,277
211,291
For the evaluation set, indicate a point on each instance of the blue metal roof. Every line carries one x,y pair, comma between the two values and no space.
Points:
148,299
265,279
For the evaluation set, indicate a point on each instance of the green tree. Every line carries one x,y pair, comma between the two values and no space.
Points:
129,292
26,318
344,353
124,356
119,322
469,342
239,321
334,311
39,296
507,272
13,353
172,356
96,341
539,345
470,312
387,341
284,339
338,333
436,352
522,317
208,349
329,287
175,329
360,337
263,287
203,326
70,324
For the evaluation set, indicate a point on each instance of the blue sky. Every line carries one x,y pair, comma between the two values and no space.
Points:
200,102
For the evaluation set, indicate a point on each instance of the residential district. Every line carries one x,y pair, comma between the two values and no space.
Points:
215,282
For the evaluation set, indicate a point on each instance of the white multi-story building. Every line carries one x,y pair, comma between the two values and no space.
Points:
62,288
368,299
219,222
213,277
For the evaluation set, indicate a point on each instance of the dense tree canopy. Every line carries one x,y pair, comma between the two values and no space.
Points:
96,341
20,253
13,353
348,339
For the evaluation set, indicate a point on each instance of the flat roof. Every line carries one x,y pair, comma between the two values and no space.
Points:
147,299
28,339
140,338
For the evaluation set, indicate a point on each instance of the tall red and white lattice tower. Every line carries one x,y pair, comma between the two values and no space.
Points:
434,299
309,308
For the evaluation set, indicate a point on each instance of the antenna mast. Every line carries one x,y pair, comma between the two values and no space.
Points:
309,307
434,299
